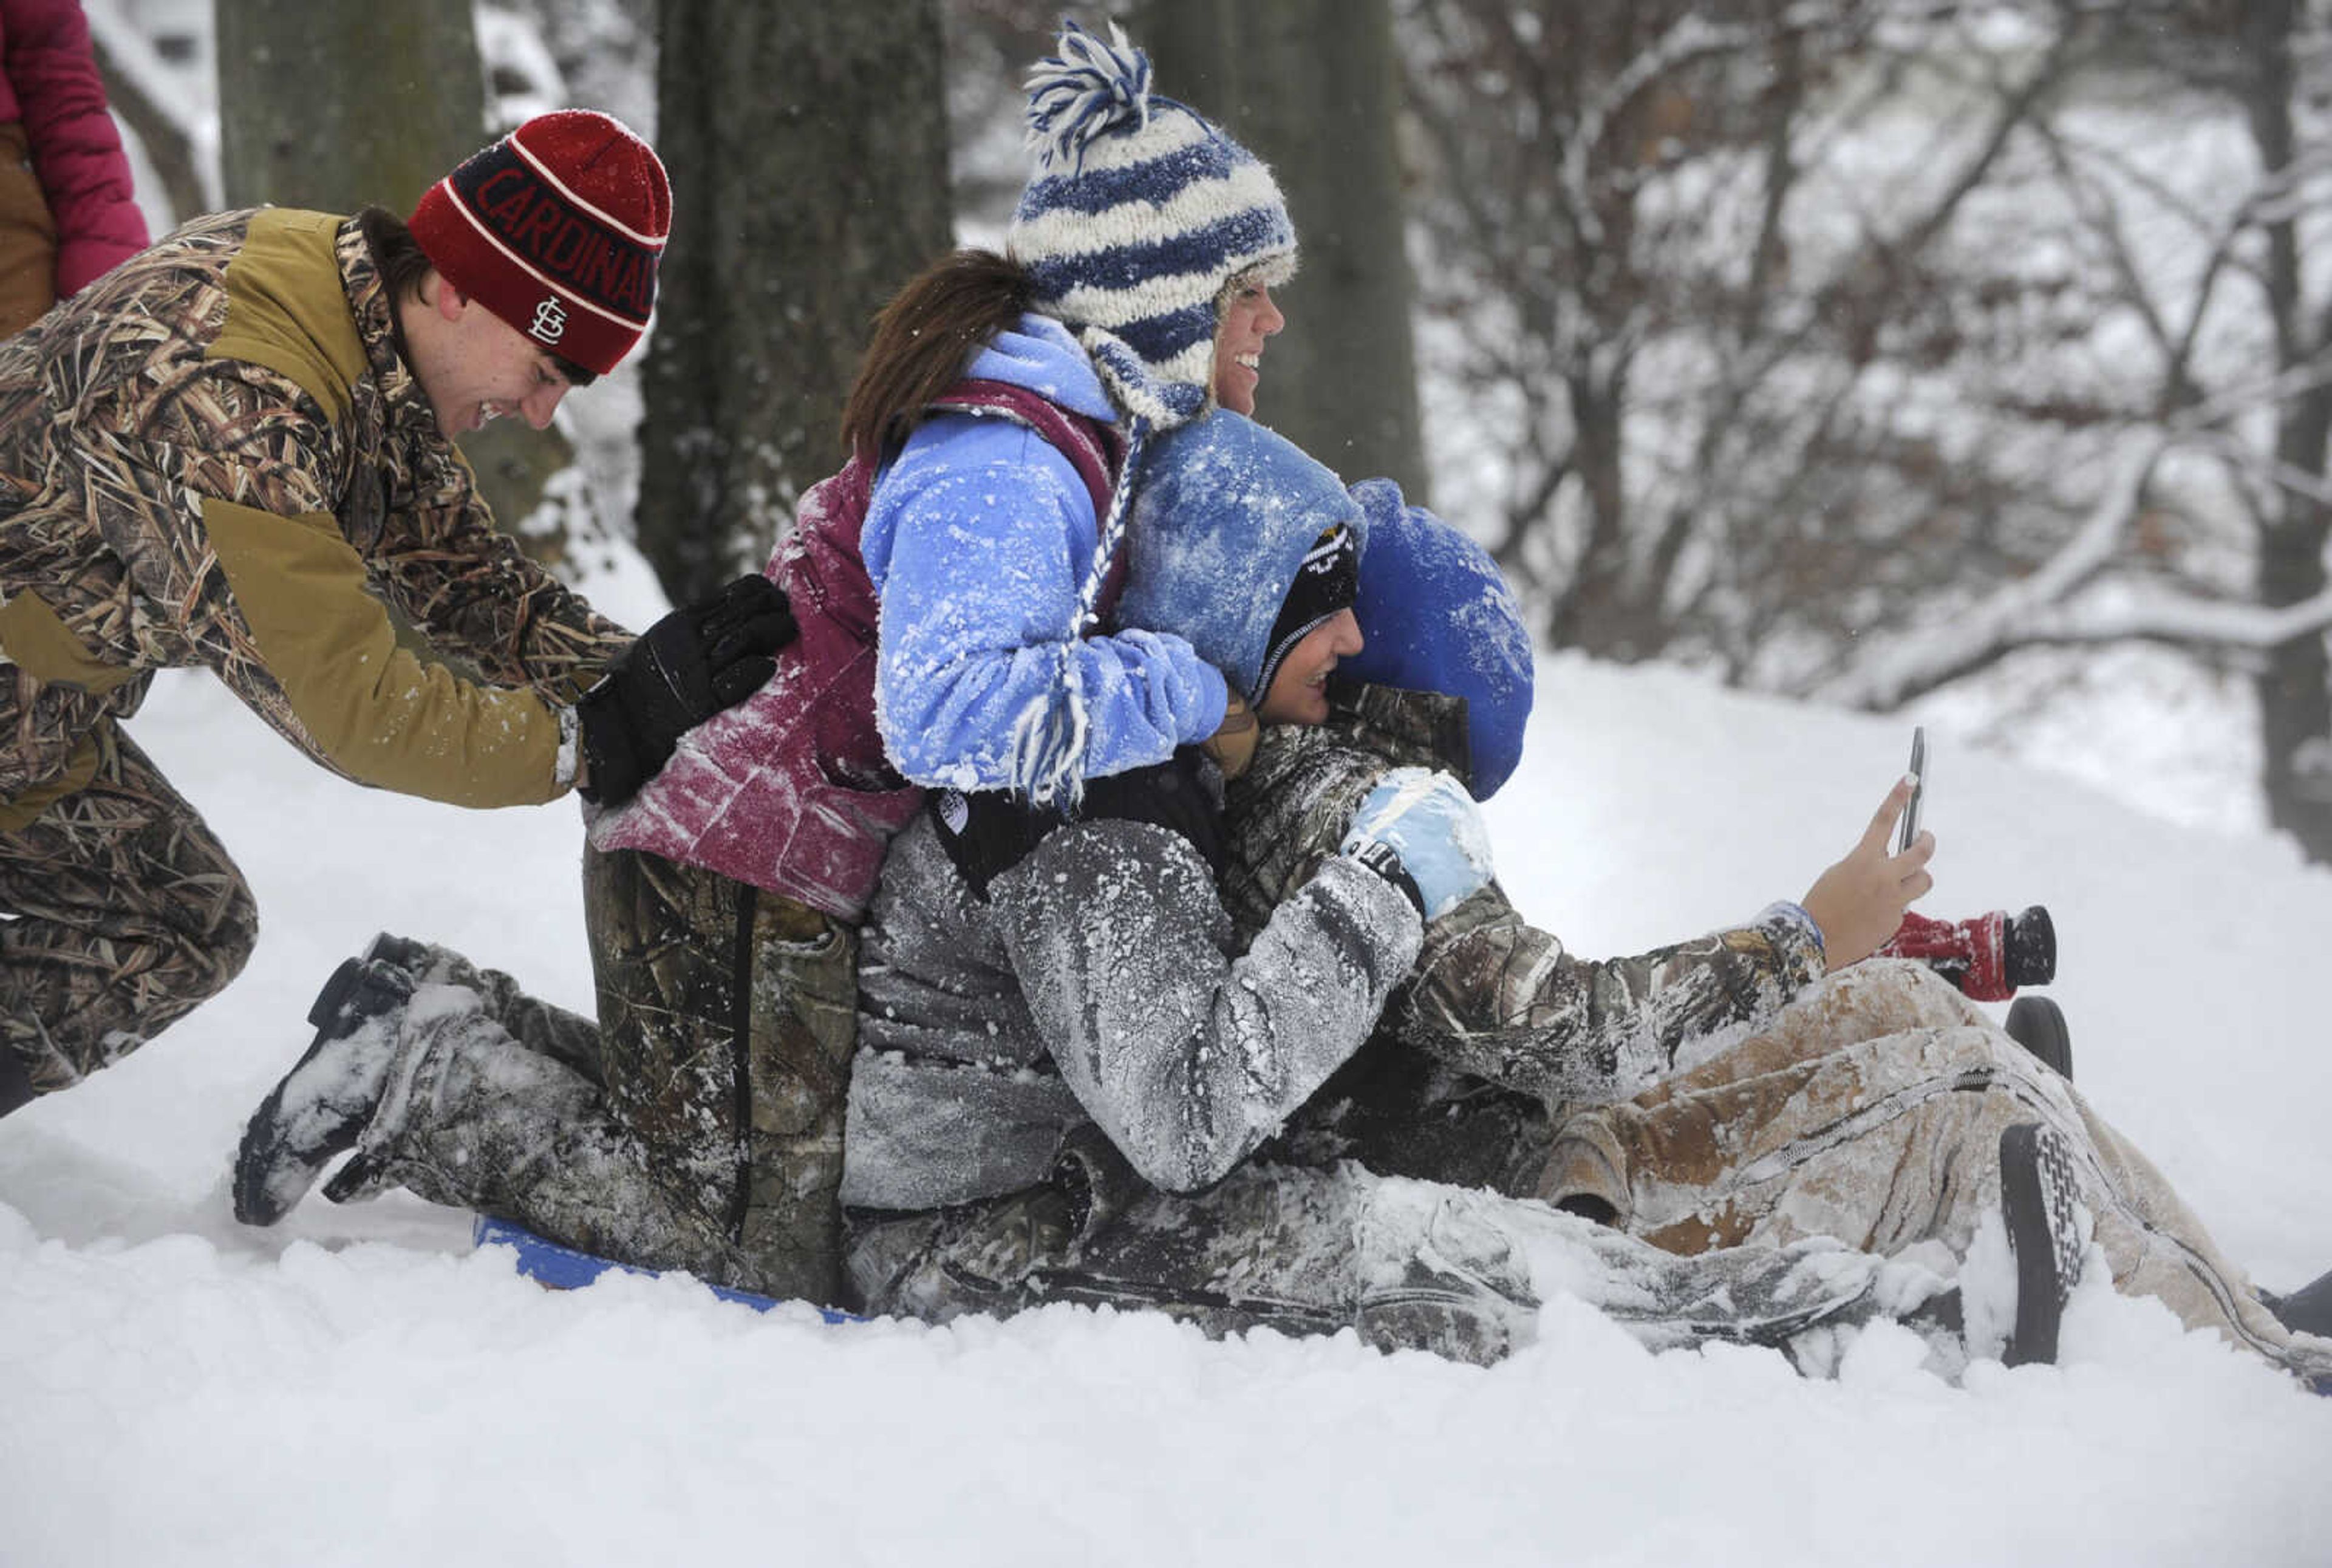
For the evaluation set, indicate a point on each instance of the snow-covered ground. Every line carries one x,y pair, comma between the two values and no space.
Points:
358,1386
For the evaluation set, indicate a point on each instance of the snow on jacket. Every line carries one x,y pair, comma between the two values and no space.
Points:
1433,611
790,790
1097,984
1492,995
978,541
50,85
208,458
1226,512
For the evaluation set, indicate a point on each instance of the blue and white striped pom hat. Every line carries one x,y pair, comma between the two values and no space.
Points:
1138,218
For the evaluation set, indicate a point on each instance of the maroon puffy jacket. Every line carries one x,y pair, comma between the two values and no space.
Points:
48,83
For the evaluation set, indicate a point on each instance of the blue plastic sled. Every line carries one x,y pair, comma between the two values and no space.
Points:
557,1268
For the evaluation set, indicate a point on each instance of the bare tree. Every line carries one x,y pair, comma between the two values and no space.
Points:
809,146
1700,267
140,88
1854,345
2210,534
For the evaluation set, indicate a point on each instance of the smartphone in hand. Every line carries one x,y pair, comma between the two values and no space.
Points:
1918,791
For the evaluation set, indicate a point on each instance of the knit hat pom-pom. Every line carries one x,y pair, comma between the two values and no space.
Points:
1084,92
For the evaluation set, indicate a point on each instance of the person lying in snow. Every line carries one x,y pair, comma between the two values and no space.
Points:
1748,1088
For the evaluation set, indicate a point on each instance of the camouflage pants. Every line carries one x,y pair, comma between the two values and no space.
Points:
697,1125
122,913
1870,1112
1407,1263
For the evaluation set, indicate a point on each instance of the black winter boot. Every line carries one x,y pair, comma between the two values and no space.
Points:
2038,1024
323,1103
2040,1200
2308,1310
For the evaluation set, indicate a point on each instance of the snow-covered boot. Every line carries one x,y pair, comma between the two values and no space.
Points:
427,964
2038,1024
2039,1200
323,1103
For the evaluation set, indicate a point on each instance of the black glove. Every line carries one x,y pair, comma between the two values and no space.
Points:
696,661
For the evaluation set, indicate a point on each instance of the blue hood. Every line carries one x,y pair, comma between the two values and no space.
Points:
1221,523
1041,356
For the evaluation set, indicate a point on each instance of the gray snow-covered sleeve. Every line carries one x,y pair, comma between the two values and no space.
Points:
1186,1057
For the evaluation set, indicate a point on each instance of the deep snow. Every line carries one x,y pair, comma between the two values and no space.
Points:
358,1387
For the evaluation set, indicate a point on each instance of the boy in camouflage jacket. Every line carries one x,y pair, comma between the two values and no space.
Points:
217,455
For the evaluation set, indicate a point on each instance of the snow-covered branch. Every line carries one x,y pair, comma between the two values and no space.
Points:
178,128
1893,667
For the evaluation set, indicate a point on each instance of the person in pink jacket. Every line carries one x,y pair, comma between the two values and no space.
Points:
66,211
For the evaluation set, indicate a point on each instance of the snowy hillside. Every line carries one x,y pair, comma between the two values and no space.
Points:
358,1387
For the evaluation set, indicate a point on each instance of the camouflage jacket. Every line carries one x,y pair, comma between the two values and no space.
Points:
1491,995
217,455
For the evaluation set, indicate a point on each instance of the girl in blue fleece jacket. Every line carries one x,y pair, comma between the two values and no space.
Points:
1135,293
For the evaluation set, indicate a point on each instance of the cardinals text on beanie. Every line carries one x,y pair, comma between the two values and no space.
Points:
557,229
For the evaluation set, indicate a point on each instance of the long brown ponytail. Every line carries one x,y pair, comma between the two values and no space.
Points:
922,339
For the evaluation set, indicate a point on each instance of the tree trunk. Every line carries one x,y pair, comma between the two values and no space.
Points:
1311,87
808,145
1611,606
334,106
2295,689
168,149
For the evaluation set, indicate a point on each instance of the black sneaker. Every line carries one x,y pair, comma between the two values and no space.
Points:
2038,1024
2040,1200
325,1100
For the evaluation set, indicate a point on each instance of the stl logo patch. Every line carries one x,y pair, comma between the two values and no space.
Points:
550,322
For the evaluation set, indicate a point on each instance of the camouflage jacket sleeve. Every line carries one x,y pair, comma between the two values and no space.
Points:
1186,1058
1491,994
223,505
1498,997
436,554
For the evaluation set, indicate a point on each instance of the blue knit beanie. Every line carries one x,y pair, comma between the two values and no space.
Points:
1227,514
1437,616
1139,216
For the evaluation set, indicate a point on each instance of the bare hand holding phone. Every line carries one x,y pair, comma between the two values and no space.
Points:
1858,902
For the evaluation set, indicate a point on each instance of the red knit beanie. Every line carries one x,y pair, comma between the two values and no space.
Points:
556,229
